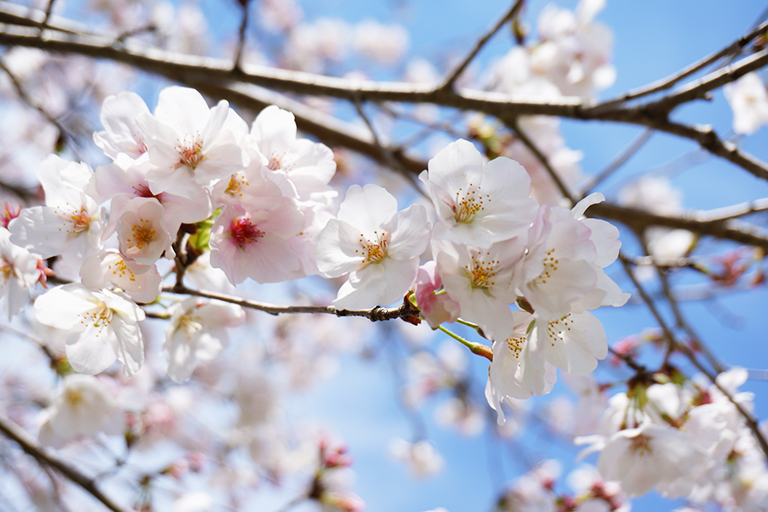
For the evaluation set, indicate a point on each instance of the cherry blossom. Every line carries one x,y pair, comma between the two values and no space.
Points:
142,283
102,327
196,332
748,99
377,245
478,203
190,144
71,223
254,242
19,271
83,407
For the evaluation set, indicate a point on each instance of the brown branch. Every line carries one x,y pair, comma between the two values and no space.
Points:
197,70
699,88
620,160
406,310
506,18
543,159
661,85
30,446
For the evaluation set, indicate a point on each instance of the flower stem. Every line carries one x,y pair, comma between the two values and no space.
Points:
475,348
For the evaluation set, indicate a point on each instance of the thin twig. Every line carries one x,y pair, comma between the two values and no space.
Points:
30,446
241,36
507,17
513,123
620,160
387,153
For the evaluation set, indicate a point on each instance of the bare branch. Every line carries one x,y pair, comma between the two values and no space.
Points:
406,310
29,445
506,18
543,159
620,160
661,85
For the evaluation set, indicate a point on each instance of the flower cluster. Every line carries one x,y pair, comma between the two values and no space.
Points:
262,199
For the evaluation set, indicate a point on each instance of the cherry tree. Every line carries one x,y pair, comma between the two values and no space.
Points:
201,223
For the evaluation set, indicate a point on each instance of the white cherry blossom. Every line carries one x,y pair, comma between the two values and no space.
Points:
82,408
142,232
377,245
190,144
122,134
102,326
748,99
196,332
143,283
19,271
478,203
71,223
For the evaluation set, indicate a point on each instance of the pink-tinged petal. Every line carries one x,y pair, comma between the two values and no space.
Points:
40,228
180,357
270,260
274,128
215,315
182,108
578,210
90,351
178,180
573,342
559,286
367,208
491,314
122,134
217,116
409,233
127,342
605,236
60,307
220,161
353,296
338,249
454,166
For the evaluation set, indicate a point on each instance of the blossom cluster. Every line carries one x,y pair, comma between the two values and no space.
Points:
263,195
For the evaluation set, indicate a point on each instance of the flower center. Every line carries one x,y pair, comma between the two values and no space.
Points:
469,203
243,232
236,183
277,161
190,152
550,266
641,445
515,346
99,317
143,234
481,272
190,324
556,329
142,190
373,251
74,398
120,269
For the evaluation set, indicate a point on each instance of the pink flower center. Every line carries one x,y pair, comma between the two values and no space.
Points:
373,251
243,232
142,190
8,214
80,221
191,153
641,445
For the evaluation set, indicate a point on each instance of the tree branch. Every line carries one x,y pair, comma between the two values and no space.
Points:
661,85
406,310
30,446
507,17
